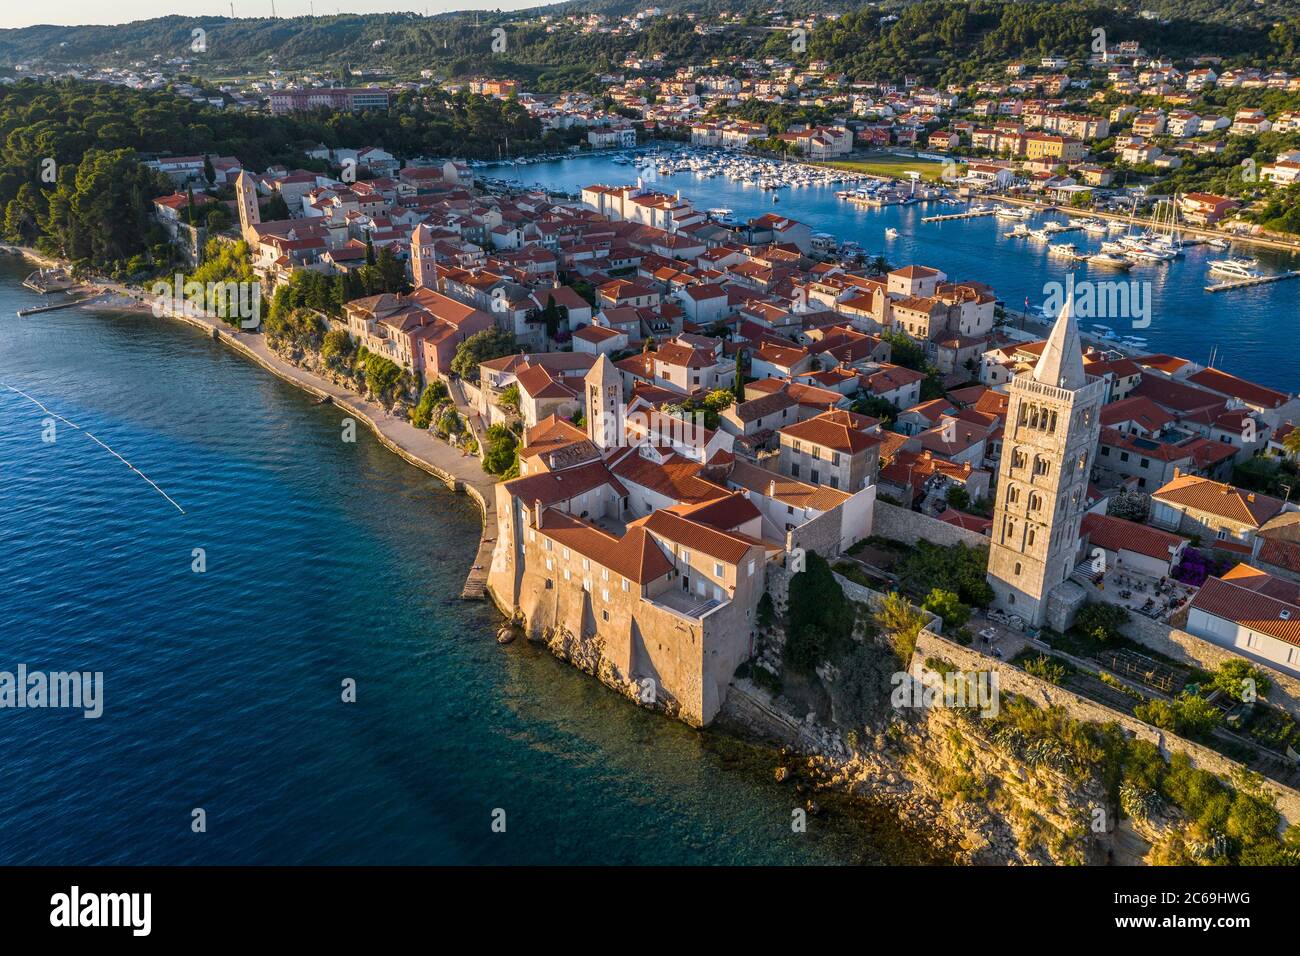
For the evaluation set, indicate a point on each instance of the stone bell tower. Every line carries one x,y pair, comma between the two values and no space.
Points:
249,213
1053,423
604,384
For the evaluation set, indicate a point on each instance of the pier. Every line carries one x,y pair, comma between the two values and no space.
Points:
60,305
969,214
1252,280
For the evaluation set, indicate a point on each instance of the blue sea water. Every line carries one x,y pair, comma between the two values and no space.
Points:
1245,325
324,561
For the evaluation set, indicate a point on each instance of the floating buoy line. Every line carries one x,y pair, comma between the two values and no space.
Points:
101,444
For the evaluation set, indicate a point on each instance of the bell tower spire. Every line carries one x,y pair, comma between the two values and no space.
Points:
1053,423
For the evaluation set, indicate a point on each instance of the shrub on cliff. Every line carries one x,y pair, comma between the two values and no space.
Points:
383,378
337,349
901,622
820,615
861,691
422,414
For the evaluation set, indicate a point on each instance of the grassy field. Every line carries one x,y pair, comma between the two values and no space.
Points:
887,164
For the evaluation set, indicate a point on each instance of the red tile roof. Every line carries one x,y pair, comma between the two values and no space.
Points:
839,430
1216,498
1240,596
1116,534
636,556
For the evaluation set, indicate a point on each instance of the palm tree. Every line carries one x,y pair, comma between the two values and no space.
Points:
1292,441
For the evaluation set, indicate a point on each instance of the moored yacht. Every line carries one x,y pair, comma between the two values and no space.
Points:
1231,268
1109,260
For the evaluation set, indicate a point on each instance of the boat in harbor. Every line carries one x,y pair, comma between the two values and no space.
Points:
53,279
1019,231
1109,260
1104,332
891,233
1053,226
1040,235
1094,227
1217,243
1014,213
1231,268
1064,250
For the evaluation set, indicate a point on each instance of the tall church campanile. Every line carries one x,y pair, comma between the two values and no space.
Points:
1053,423
605,421
249,213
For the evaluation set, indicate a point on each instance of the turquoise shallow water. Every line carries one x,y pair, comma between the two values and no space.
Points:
325,561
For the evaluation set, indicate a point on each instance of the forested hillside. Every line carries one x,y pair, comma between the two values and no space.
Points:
948,39
98,205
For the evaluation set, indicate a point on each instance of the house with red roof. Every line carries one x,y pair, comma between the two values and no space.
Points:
1129,546
838,448
1222,515
1253,613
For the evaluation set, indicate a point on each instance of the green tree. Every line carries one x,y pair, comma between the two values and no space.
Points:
509,399
1240,679
948,606
819,613
500,453
481,347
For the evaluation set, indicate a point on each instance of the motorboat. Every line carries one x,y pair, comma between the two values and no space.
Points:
1066,250
891,233
1231,268
1109,260
1019,231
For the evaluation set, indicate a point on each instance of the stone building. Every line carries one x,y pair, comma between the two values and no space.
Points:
1052,427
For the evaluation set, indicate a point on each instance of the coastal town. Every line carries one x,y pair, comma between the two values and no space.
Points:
693,434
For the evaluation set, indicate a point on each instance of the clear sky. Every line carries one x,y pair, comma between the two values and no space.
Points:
66,12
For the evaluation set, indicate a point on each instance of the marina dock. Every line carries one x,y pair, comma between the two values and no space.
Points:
60,305
1252,280
969,214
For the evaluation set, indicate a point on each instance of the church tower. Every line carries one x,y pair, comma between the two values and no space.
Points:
604,385
249,213
423,271
1053,423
